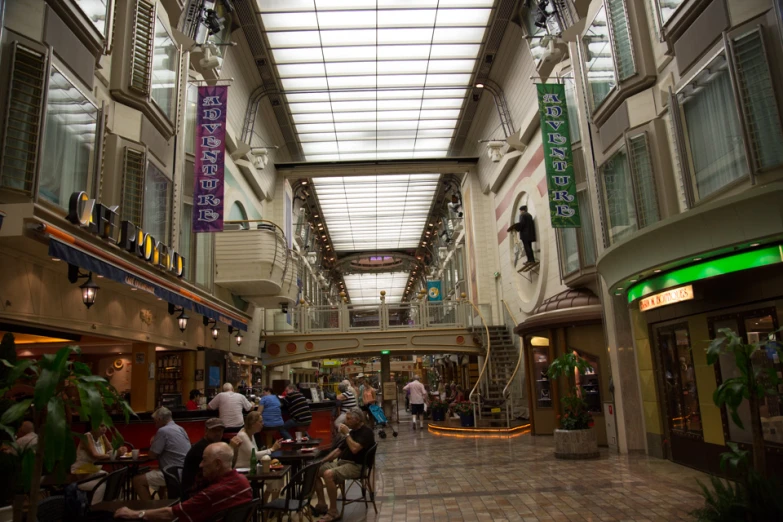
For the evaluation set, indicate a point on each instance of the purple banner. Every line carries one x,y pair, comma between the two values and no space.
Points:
210,156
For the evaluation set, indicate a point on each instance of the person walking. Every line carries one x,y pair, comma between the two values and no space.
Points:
418,397
231,407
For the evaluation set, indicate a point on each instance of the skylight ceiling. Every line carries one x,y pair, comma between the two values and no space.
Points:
375,79
369,213
366,288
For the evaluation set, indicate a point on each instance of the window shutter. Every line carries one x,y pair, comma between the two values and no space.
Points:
142,47
22,132
644,181
133,186
681,163
621,39
757,97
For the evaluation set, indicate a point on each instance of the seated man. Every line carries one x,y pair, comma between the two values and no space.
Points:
191,470
350,456
226,489
298,410
169,445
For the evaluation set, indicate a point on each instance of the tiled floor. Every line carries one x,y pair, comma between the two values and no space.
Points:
423,476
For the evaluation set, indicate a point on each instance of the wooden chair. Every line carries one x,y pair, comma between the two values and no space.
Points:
366,482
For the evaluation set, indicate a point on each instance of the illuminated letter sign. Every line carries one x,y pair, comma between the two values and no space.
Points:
559,161
683,293
210,156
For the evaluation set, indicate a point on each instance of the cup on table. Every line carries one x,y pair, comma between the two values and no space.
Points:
135,454
266,462
298,436
113,454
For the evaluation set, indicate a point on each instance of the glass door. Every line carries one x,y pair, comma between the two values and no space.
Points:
679,382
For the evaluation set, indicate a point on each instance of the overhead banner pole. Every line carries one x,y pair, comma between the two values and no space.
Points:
209,181
558,158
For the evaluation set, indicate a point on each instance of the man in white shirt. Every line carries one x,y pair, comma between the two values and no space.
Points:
418,396
231,407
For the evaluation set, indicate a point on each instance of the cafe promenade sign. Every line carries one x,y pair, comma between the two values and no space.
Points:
104,222
559,161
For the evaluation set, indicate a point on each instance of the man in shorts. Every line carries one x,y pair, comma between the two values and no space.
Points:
169,446
418,395
344,462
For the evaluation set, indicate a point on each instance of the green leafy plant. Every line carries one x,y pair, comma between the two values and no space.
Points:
753,384
439,405
576,415
463,408
61,388
725,502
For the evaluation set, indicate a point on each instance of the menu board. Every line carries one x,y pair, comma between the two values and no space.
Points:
390,391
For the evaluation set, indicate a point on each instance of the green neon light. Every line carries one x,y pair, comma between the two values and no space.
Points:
715,267
385,352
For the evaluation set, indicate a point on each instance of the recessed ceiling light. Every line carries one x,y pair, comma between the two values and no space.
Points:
755,244
697,259
657,270
633,280
619,288
57,258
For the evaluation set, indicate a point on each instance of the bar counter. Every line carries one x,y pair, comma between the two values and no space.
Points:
140,429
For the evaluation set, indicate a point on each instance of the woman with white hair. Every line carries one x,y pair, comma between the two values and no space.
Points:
347,399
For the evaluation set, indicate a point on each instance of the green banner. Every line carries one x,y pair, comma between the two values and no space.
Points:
560,179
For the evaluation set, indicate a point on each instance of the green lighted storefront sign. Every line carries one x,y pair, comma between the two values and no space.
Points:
560,179
724,265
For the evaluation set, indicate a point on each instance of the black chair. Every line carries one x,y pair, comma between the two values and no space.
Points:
366,482
51,509
114,482
295,497
173,476
242,513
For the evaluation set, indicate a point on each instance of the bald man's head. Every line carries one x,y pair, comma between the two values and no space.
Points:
25,429
217,460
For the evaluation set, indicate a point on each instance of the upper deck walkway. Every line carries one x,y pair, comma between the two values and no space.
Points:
317,332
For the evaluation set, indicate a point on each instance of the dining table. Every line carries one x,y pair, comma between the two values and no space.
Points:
108,508
133,466
258,480
56,481
298,458
301,443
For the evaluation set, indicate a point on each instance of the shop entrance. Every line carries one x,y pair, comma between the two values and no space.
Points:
680,395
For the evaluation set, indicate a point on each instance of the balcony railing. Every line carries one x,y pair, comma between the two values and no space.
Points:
372,317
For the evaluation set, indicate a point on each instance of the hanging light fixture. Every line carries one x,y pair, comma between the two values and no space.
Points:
239,337
89,288
215,331
182,318
89,291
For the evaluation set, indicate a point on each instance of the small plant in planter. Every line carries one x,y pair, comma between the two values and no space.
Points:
438,407
574,439
465,411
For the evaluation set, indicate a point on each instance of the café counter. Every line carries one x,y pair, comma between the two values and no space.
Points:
140,428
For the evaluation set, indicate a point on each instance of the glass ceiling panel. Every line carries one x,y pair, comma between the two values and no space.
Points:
395,71
367,213
366,288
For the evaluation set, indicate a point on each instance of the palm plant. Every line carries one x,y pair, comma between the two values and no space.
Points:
576,415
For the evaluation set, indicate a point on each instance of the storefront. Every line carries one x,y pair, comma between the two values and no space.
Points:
568,321
674,316
88,279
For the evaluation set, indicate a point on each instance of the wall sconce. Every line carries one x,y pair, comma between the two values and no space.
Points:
494,150
182,319
89,288
215,328
239,337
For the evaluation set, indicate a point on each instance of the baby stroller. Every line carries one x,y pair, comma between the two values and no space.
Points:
380,421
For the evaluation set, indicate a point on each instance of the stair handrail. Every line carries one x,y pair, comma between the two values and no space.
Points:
506,392
484,367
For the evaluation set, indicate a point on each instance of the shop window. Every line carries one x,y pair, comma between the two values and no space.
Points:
569,260
142,46
237,213
164,71
629,189
577,245
588,234
707,120
573,109
621,39
69,141
667,8
679,378
23,121
540,367
157,203
133,186
754,326
97,11
590,382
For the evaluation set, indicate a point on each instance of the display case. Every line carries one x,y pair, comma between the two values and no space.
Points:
590,382
169,379
543,384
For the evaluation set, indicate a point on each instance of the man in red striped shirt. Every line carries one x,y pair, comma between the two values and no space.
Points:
227,489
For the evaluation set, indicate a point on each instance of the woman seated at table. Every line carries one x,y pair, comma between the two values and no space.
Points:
92,449
245,442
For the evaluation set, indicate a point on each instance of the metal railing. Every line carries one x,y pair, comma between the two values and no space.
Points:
486,342
509,390
281,244
398,316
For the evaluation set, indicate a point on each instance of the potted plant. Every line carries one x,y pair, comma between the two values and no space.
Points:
438,407
575,439
465,411
55,388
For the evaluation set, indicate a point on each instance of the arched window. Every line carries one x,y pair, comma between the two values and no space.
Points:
237,213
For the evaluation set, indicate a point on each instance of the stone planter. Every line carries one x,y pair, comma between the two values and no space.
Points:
576,444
